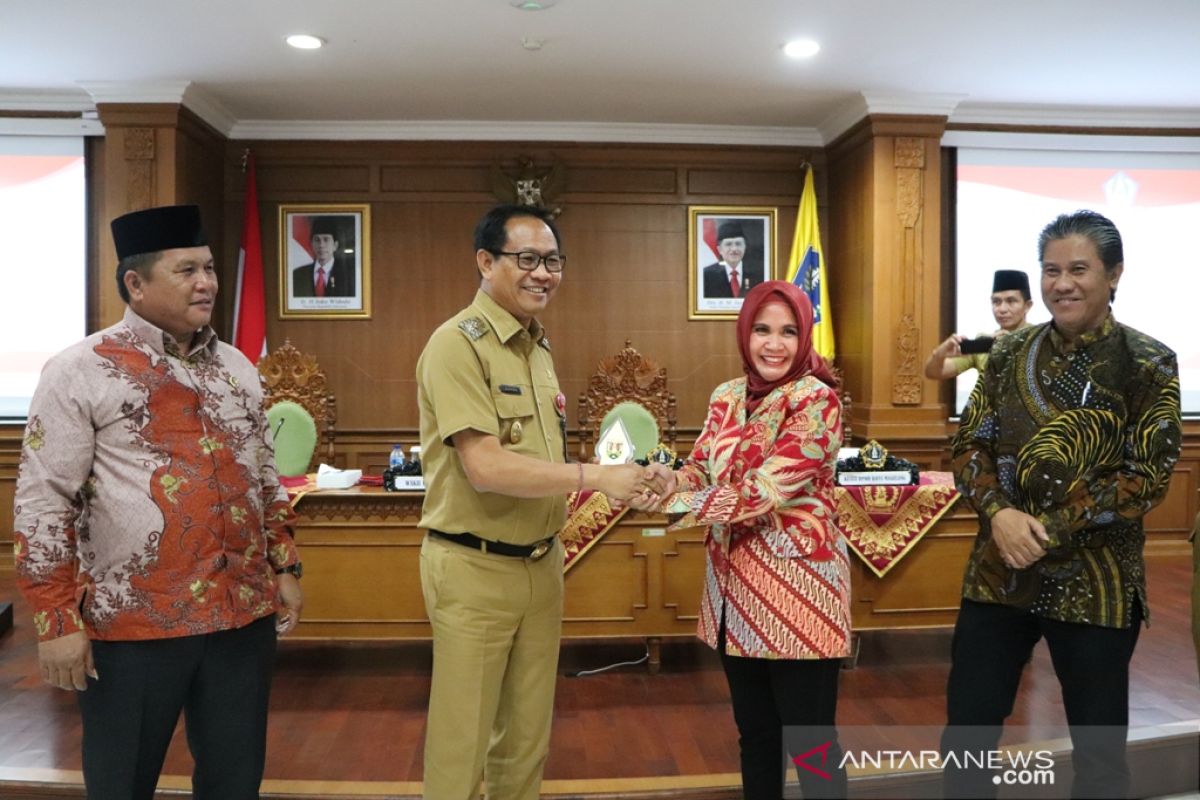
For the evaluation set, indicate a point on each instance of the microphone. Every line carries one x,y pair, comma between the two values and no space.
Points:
282,420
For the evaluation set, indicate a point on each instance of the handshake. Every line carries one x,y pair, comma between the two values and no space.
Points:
641,487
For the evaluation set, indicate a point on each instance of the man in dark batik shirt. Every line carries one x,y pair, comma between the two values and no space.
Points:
1069,438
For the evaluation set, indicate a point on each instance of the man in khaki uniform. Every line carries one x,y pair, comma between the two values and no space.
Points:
493,448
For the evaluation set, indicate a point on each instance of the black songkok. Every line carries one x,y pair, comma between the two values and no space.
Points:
1007,280
155,229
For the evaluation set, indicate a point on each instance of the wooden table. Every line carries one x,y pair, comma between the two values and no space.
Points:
361,551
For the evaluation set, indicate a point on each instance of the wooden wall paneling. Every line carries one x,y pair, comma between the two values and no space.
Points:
99,241
625,230
10,457
736,182
849,242
1172,519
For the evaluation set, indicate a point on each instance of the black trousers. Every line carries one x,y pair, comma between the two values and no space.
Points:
772,697
220,681
992,644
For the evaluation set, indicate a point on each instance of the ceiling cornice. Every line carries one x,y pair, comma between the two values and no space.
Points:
478,130
183,93
958,110
135,92
1074,116
18,100
903,104
209,109
50,126
1025,140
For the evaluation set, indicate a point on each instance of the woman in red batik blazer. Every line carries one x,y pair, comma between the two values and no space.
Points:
776,600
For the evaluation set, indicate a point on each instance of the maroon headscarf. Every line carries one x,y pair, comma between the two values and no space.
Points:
807,360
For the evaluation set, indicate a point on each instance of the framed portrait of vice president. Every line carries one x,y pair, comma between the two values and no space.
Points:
324,261
731,249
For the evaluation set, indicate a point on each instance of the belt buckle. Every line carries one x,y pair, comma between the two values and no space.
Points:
541,550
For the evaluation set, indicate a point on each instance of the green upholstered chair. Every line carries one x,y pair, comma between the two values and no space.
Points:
295,378
639,424
295,436
626,379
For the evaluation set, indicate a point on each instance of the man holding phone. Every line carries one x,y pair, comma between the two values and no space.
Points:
1011,303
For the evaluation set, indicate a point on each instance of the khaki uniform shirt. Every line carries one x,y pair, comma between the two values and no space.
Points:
483,371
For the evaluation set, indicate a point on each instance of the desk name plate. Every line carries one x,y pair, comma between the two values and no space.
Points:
897,477
408,483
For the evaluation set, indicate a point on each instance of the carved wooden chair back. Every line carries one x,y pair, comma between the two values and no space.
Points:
844,395
291,375
627,376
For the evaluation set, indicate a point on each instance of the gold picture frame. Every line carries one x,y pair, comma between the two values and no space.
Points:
337,284
710,292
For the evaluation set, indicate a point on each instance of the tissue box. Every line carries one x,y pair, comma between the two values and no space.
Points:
337,478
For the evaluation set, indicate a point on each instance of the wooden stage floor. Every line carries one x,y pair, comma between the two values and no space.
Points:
348,720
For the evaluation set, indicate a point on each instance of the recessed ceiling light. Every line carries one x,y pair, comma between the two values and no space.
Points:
304,41
801,48
532,5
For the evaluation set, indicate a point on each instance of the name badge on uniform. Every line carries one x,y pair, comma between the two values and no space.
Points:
508,388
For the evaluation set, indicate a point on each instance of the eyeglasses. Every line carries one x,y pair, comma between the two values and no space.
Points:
530,261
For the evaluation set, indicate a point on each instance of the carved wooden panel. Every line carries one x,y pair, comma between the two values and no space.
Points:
139,177
909,163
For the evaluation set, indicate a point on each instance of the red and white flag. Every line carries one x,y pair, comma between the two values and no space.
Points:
250,303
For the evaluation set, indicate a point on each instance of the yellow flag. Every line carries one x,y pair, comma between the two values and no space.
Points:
806,268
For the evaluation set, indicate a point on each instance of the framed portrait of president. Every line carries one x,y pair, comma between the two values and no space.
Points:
731,249
324,261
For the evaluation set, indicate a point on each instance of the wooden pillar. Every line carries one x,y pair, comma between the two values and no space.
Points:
154,154
885,210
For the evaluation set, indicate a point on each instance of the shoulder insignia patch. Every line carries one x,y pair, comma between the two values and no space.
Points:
473,327
544,341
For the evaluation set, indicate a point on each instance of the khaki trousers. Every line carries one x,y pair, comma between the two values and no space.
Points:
496,623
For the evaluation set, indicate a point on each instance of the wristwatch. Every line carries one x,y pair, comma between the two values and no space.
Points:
296,569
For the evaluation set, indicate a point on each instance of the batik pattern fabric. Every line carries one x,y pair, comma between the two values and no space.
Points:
777,572
147,503
1084,437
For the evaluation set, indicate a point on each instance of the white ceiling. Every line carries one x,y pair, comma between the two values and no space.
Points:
683,70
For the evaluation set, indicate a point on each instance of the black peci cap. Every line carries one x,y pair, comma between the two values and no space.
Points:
1009,279
155,229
